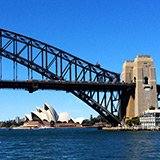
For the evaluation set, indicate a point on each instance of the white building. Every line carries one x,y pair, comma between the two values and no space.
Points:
150,118
47,117
65,117
47,113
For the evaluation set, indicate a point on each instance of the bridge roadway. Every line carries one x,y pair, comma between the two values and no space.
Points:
33,85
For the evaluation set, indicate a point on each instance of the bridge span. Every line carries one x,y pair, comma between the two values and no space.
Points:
101,89
34,85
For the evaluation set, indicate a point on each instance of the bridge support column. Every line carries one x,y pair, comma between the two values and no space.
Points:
141,71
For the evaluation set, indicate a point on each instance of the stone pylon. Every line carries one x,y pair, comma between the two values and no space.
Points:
141,71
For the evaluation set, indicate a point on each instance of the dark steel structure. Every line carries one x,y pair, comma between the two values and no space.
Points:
34,85
99,88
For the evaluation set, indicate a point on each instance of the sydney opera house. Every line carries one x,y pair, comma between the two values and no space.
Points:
48,117
45,116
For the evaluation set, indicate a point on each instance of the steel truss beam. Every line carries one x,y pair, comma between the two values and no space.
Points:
55,64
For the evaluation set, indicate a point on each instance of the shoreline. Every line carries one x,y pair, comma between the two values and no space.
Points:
136,128
30,128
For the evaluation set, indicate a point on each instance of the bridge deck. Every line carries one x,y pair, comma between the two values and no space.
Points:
33,85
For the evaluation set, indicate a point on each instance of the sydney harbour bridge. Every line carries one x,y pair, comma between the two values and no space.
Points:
26,63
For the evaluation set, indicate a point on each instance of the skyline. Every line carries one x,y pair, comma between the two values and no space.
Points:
104,32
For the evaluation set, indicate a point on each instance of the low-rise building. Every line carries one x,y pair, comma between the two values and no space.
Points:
48,117
42,117
150,118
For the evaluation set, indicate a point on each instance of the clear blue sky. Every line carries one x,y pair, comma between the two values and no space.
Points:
104,31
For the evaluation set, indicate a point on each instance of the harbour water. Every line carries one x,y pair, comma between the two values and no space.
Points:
78,144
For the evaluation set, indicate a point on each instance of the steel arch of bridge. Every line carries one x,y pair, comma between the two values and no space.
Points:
55,64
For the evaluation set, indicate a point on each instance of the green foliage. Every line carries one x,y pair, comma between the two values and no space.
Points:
93,120
129,123
10,123
91,117
133,121
86,122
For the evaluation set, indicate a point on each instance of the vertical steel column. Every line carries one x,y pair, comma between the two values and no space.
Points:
31,56
75,70
14,52
56,65
61,66
84,74
120,107
46,53
104,77
15,70
90,74
28,58
42,64
70,71
111,98
98,97
105,99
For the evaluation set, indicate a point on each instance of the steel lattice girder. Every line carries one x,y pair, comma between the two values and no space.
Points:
56,64
65,65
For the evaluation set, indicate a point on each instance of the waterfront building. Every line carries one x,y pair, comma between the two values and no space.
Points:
65,117
48,117
78,120
17,120
66,125
150,118
45,116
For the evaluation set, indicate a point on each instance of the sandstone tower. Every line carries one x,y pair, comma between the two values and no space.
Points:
141,71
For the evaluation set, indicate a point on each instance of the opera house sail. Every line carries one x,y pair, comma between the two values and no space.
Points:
45,116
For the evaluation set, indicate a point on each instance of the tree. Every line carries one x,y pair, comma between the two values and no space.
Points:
91,117
133,121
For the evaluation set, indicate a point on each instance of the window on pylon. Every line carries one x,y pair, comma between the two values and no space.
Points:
145,80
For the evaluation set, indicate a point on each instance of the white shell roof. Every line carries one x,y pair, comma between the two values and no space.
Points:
47,113
79,120
28,116
64,117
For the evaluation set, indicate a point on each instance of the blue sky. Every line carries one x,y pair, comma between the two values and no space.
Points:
104,31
